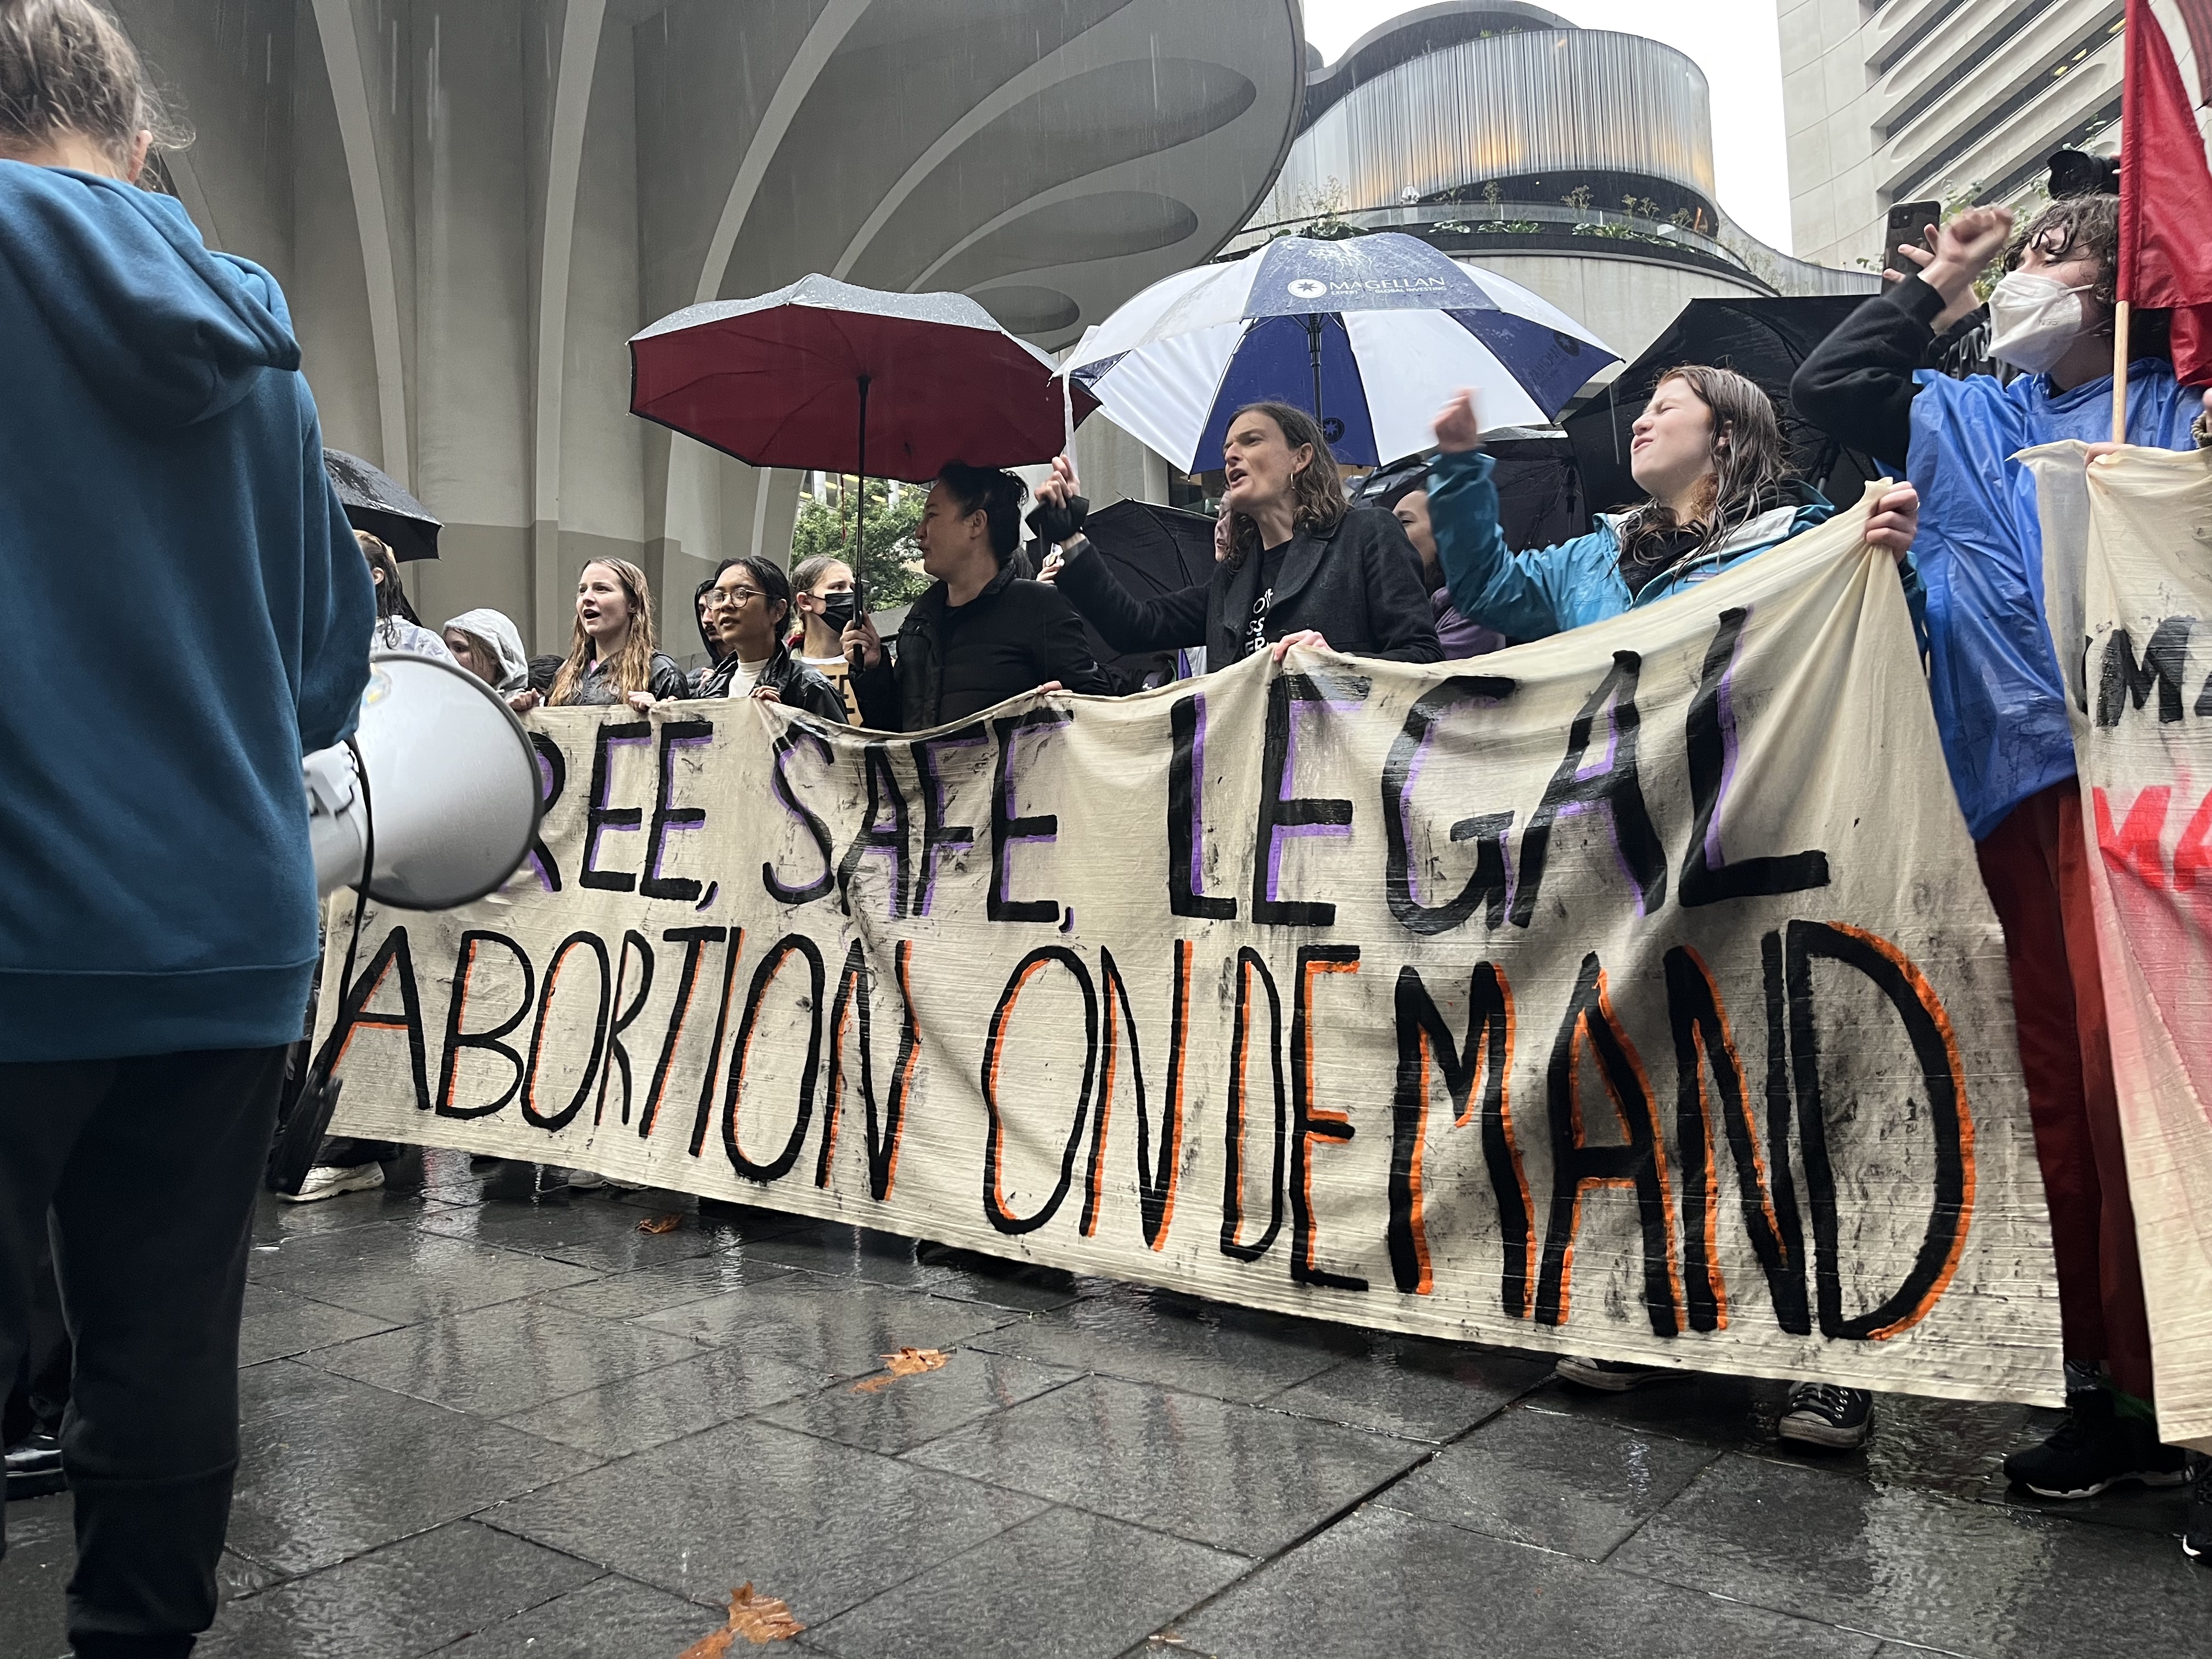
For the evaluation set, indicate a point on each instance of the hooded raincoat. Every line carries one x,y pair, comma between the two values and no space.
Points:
498,631
1993,674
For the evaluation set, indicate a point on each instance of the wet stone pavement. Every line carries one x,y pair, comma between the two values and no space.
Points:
501,1429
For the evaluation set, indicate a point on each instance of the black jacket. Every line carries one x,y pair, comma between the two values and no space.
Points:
1356,584
949,662
795,684
1857,386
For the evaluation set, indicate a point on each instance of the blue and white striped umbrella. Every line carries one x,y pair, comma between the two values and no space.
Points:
1397,325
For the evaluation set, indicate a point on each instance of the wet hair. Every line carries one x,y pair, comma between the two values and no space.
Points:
2079,224
2090,223
391,595
1317,500
67,67
632,667
997,495
1749,459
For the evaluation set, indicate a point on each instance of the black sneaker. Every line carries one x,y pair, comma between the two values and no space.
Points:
1823,1414
2096,1448
2196,1530
34,1466
1612,1376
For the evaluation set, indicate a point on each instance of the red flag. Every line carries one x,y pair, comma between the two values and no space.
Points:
2166,197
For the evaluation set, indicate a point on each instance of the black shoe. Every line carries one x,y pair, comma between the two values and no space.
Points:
34,1466
2096,1448
2196,1530
1825,1415
1613,1376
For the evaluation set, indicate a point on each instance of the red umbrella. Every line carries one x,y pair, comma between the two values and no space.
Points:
821,375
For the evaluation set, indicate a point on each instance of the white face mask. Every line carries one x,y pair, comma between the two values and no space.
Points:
2033,319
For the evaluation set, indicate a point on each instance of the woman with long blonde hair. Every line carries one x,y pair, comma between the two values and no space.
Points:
611,655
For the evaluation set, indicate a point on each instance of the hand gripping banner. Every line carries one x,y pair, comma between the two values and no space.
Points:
1632,993
2127,588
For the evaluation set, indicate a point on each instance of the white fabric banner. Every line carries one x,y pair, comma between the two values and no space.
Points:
2127,588
1632,993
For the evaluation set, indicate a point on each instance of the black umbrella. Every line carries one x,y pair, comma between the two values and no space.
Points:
374,502
1155,550
1764,341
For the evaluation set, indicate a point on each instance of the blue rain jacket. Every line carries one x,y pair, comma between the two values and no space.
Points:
1547,590
191,613
1993,675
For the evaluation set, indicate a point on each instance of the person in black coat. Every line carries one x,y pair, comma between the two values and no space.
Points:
982,633
748,609
1294,564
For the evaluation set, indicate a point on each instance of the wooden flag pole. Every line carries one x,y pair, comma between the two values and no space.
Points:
2120,372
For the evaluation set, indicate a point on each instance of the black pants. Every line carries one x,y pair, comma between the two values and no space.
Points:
41,1393
149,1166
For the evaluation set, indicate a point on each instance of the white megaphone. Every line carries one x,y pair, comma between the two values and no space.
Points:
443,805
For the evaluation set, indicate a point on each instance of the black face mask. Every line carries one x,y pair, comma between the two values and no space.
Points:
838,610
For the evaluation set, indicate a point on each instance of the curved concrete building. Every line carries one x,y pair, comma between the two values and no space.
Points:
473,203
1576,161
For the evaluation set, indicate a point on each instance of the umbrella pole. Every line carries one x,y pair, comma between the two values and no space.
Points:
1313,346
860,518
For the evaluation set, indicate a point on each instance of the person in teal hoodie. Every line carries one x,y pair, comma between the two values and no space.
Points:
1709,450
188,614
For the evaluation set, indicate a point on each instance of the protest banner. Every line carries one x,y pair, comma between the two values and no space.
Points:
1633,993
2127,588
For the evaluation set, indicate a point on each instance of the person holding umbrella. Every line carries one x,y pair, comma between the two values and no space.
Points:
1295,564
982,634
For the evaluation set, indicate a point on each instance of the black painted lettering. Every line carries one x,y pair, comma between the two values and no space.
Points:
996,1208
1187,894
1309,1122
456,1011
1486,1057
1638,1163
787,742
1705,1048
1401,771
1611,786
1009,828
556,1121
598,817
791,945
667,816
1283,817
1708,877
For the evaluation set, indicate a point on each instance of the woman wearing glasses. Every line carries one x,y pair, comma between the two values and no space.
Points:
747,611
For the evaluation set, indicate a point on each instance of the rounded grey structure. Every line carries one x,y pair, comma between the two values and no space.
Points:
1532,104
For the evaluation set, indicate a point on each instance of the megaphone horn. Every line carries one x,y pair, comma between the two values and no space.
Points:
435,801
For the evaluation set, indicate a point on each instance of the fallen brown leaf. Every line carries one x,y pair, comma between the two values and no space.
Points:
661,1224
907,1362
758,1619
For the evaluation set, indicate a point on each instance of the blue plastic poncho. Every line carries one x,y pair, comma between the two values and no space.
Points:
1993,674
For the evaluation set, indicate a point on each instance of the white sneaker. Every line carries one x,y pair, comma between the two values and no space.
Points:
328,1180
583,1180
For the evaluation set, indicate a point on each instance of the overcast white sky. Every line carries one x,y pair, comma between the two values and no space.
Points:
1734,41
